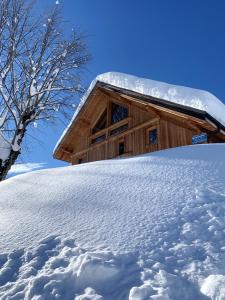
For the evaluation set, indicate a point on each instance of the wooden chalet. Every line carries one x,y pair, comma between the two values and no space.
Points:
118,122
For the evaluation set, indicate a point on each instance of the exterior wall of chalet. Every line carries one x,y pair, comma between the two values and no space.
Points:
113,126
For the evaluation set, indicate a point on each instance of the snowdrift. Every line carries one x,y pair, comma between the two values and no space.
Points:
147,227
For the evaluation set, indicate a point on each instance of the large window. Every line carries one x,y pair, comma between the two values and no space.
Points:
101,124
98,139
119,129
118,113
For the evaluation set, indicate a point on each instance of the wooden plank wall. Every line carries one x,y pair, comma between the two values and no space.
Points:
172,132
97,153
139,115
175,134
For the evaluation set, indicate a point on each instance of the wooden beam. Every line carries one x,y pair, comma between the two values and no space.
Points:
144,124
104,131
156,109
164,109
212,124
83,121
66,151
80,152
115,96
122,134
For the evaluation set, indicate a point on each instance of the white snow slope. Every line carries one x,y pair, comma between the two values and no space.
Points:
186,96
147,227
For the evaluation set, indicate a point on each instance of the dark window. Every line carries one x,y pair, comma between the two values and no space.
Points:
101,124
121,148
119,129
118,113
152,137
98,139
80,161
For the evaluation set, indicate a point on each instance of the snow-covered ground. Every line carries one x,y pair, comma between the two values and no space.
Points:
20,168
147,227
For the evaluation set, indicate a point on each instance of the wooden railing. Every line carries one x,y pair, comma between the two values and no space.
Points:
113,137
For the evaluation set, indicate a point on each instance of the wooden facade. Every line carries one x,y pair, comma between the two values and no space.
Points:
141,125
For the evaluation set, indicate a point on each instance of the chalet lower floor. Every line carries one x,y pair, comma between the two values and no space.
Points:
124,140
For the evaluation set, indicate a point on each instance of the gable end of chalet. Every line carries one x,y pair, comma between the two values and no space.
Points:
119,122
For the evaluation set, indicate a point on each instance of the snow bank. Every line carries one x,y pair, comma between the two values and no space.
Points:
25,167
186,96
147,227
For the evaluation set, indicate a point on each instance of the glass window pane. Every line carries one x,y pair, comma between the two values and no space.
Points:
98,139
119,129
152,136
101,124
118,113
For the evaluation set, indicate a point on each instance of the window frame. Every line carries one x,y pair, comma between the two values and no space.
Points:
113,102
152,128
110,128
98,120
99,138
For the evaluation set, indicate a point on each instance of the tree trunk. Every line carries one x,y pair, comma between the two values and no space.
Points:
4,168
7,164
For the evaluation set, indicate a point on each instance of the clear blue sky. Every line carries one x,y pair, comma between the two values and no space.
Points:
176,41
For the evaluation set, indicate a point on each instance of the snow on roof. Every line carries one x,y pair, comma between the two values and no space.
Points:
186,96
146,227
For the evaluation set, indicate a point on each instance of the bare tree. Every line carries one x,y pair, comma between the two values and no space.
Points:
40,71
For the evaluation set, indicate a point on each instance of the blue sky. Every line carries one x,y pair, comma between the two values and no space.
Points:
177,41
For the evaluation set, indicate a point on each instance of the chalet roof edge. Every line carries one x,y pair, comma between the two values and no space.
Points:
80,106
189,99
194,112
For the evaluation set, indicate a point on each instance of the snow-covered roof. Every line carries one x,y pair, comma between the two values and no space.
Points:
189,97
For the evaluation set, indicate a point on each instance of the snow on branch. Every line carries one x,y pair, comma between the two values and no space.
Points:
39,68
